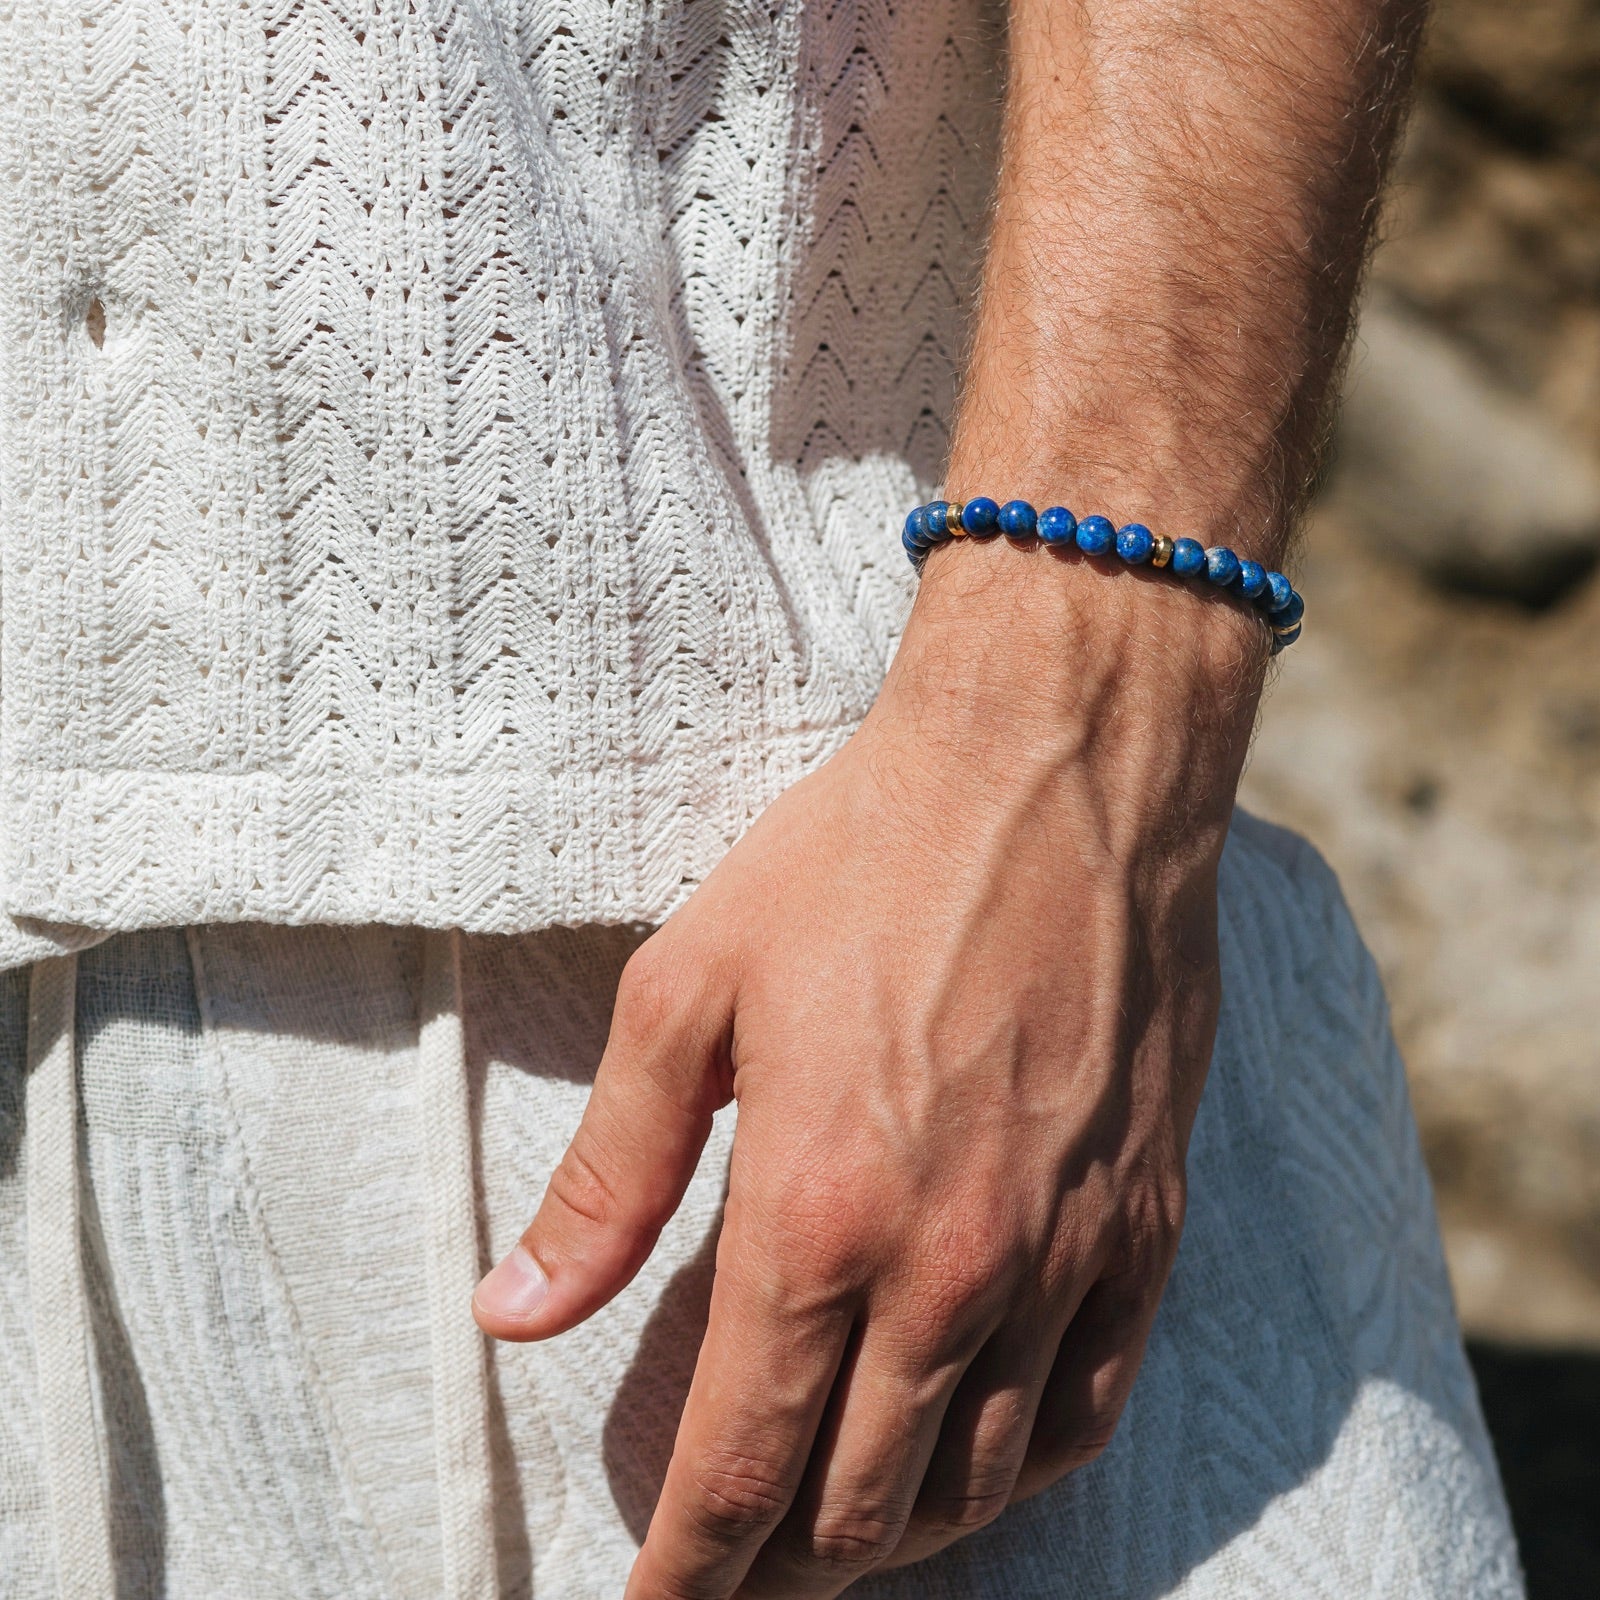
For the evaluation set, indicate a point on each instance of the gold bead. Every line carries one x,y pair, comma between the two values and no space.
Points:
952,519
1161,554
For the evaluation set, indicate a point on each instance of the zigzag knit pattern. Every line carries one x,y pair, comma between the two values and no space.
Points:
452,451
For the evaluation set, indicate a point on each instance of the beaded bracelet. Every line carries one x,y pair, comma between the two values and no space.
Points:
1270,592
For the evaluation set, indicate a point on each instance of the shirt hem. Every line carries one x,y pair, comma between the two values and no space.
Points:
94,852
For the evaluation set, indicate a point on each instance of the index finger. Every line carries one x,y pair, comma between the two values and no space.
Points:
767,1365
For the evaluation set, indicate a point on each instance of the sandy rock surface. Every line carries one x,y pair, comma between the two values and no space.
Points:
1444,753
1437,730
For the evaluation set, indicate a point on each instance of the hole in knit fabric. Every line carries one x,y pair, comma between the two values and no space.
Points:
95,321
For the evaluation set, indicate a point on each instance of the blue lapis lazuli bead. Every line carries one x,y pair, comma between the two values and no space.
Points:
1276,594
1252,579
1018,519
981,517
915,536
1222,565
934,515
1188,558
1282,641
1096,535
1134,543
1057,525
1289,615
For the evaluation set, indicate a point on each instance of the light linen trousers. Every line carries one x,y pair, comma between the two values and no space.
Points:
259,1153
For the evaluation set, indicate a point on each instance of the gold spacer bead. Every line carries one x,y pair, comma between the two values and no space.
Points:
1161,554
952,519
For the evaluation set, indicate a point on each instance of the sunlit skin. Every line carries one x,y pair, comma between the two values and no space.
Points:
963,980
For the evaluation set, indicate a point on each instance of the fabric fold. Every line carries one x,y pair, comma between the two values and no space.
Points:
63,1340
454,1261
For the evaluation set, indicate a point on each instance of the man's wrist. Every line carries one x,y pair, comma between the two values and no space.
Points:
1018,662
1019,611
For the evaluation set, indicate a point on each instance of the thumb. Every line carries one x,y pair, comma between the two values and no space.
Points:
649,1115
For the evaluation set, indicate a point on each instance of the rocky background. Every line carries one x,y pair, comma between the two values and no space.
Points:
1437,730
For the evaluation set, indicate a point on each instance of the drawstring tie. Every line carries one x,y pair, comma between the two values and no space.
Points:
460,1377
62,1337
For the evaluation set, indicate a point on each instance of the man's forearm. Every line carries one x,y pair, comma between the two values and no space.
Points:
1186,198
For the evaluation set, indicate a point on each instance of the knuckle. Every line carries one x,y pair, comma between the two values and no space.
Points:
1090,1445
1153,1226
650,992
1165,1206
953,1295
1078,1441
735,1497
823,1226
1166,1227
854,1539
687,1588
581,1185
952,1516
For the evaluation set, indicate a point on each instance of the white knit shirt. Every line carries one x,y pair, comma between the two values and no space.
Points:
452,451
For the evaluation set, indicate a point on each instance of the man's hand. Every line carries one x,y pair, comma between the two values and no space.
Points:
962,981
963,985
